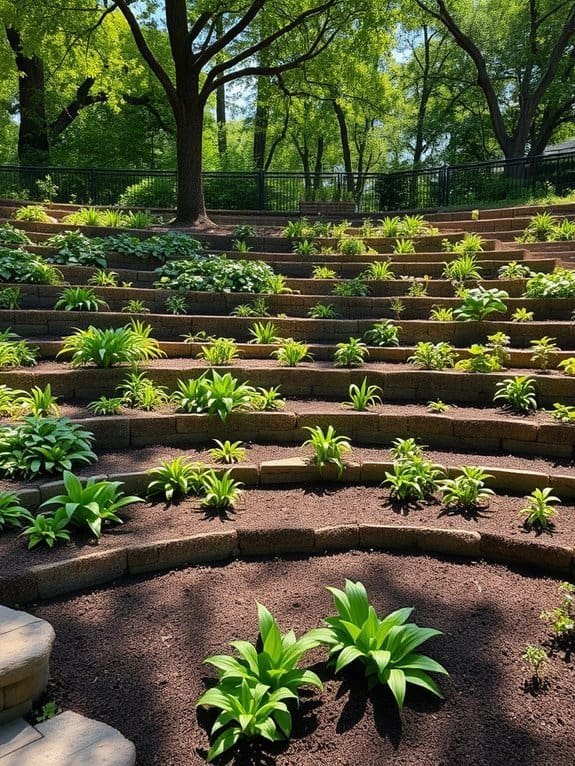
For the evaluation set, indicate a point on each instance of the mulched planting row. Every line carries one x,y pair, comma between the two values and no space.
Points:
131,655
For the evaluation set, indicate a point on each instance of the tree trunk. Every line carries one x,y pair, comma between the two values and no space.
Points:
345,147
33,140
318,163
191,208
221,120
261,122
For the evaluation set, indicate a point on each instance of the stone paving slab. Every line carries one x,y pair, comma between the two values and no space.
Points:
16,735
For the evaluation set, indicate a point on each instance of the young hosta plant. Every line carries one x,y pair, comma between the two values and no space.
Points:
350,354
291,352
40,402
386,647
43,446
221,492
378,270
264,332
219,352
106,405
46,529
433,356
12,512
107,347
413,478
227,451
323,311
480,303
540,509
79,299
327,446
91,504
247,713
382,334
323,272
176,478
517,393
468,489
363,397
176,304
141,393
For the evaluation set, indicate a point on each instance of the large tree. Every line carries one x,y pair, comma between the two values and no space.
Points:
200,33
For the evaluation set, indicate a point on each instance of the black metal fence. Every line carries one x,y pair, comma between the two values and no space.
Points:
457,185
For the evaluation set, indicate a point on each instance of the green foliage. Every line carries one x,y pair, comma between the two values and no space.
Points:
467,489
135,306
413,477
79,299
40,402
562,617
220,491
397,307
108,347
39,446
514,270
25,268
481,359
323,311
14,352
106,405
267,399
568,365
363,397
92,504
558,284
328,447
471,243
462,269
213,393
323,272
75,249
517,393
220,351
34,213
227,451
276,284
386,647
305,247
10,298
175,478
436,406
522,315
441,314
564,413
47,529
291,352
177,304
351,288
535,657
240,246
418,288
161,247
403,246
479,303
540,509
433,356
243,231
10,235
264,332
12,512
141,393
543,351
541,228
382,334
103,278
215,273
257,308
378,270
406,448
351,246
350,354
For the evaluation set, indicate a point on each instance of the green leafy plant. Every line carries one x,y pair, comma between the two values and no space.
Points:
540,229
264,332
481,359
543,351
413,478
378,270
305,247
328,447
43,446
386,647
135,306
11,400
433,356
80,299
363,397
323,311
220,351
323,272
175,478
276,284
558,284
267,399
34,213
103,278
437,406
517,393
216,394
215,273
220,491
535,657
291,352
350,354
441,314
351,288
140,219
40,402
12,512
10,235
176,304
471,243
567,365
403,246
91,504
227,451
141,393
257,308
389,227
351,246
467,489
243,231
106,405
480,303
514,270
402,449
26,268
382,334
107,347
462,269
562,617
46,529
15,352
10,298
72,248
563,413
522,315
397,307
540,509
86,216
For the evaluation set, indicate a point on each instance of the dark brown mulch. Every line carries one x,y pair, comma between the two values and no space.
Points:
131,655
294,507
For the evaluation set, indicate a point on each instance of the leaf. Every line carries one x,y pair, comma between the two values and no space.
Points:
347,656
215,698
420,678
381,660
422,662
397,683
225,741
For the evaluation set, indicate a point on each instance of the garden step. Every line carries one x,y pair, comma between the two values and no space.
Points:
25,645
68,739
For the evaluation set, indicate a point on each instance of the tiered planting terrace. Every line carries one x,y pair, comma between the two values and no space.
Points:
444,322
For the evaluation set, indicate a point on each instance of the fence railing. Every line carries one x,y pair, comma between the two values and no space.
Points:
457,185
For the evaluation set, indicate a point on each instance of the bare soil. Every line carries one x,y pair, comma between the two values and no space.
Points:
131,655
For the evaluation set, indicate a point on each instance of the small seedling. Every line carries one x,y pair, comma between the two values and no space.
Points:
227,452
540,509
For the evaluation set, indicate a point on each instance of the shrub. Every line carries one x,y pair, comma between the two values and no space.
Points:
540,509
517,393
215,273
479,303
109,347
386,647
175,478
34,213
382,334
351,246
25,268
10,235
75,249
328,446
79,299
433,356
559,284
468,489
43,446
350,354
155,191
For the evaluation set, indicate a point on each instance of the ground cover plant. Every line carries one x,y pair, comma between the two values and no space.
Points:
215,273
108,347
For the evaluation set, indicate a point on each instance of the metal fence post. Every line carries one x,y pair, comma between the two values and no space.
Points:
261,181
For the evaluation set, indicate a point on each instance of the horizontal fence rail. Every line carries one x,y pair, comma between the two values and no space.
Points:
422,189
